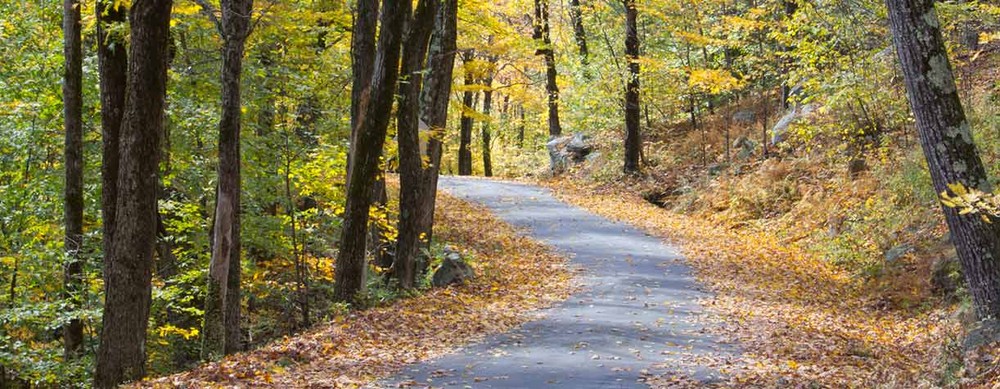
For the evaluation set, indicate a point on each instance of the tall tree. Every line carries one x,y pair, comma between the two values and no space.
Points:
545,49
221,335
121,355
468,106
374,107
946,138
113,67
363,35
576,17
434,99
411,170
73,189
633,141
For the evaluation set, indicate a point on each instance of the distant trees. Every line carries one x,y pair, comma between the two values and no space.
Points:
73,188
946,139
121,355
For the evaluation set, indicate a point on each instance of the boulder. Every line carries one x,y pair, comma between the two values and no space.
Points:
780,130
894,254
744,148
453,270
745,117
568,149
946,277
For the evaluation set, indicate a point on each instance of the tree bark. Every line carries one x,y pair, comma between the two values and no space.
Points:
73,189
485,134
375,106
546,50
576,17
411,170
121,355
468,105
362,65
113,67
633,141
434,99
946,138
221,334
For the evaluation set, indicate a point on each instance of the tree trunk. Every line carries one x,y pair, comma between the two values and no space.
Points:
946,139
221,335
468,105
113,67
486,135
374,106
121,355
545,49
362,64
73,189
411,170
434,100
576,17
633,141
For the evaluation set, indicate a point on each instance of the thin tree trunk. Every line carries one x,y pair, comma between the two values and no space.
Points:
375,106
486,135
73,189
121,356
633,142
946,138
520,128
411,170
468,105
545,49
221,334
576,17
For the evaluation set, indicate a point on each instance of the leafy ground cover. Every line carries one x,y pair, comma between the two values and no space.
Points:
802,321
516,275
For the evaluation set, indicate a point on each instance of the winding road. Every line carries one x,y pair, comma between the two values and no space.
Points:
637,314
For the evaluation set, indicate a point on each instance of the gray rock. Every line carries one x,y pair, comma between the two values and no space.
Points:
895,253
745,117
744,147
780,130
716,169
453,270
946,277
568,149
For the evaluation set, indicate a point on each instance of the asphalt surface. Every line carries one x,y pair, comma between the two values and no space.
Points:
639,312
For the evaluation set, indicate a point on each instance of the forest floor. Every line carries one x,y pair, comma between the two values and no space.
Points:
516,277
639,314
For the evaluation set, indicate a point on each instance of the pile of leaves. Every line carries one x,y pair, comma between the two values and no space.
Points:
516,275
800,320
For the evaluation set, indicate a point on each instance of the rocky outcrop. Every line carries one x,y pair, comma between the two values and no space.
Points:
453,270
568,149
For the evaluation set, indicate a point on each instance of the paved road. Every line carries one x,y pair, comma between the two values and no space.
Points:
639,307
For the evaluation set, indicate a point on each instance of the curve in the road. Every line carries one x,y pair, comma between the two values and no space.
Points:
639,307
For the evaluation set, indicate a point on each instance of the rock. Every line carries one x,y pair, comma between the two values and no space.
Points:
946,277
744,117
453,270
856,167
895,253
780,130
744,148
563,150
716,169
